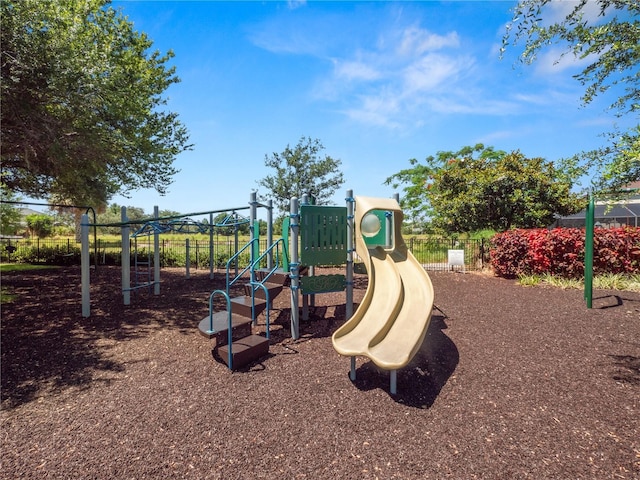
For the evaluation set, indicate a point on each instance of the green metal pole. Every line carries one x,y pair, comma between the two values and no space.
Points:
588,252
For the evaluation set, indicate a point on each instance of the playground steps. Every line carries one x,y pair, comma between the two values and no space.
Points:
273,288
279,277
246,346
240,327
242,306
245,350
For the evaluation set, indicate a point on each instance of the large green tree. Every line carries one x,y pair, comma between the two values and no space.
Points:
610,42
302,169
83,111
479,188
40,224
10,215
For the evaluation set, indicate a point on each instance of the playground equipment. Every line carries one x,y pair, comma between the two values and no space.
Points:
314,235
320,235
391,322
152,227
235,342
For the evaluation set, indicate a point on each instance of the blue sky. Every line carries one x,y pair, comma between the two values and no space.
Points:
378,83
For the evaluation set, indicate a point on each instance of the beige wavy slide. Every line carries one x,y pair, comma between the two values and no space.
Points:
391,322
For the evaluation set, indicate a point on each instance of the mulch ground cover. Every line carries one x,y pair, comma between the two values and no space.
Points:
511,382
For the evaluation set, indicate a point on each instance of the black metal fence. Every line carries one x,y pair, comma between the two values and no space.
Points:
432,252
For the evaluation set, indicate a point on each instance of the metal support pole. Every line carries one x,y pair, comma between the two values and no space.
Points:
588,252
294,268
350,248
85,260
270,233
236,248
156,255
126,258
393,382
352,372
211,246
253,213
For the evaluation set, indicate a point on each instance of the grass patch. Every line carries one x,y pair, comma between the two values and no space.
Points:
608,281
529,280
617,282
23,267
563,283
7,295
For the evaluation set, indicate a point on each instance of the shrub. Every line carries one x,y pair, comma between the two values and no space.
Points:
560,252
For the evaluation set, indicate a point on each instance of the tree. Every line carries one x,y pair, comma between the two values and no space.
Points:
82,104
611,44
9,213
40,224
302,170
113,215
481,188
168,213
225,218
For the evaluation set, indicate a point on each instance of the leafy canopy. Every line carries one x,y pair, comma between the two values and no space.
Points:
39,224
10,215
82,104
301,170
479,188
610,42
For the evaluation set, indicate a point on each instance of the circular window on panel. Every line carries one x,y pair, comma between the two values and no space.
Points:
370,225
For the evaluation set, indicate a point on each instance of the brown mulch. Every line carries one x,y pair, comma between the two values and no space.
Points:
511,382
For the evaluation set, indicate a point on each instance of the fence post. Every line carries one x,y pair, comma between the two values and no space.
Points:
197,259
187,260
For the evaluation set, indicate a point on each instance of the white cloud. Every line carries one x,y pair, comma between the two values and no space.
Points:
430,71
389,83
556,11
392,77
353,70
552,61
416,41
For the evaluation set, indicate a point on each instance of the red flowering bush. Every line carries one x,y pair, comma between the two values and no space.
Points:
561,251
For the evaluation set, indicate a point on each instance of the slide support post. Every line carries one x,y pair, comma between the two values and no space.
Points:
294,267
350,248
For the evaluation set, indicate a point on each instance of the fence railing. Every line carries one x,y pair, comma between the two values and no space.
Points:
431,252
